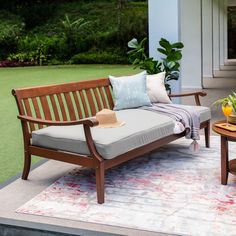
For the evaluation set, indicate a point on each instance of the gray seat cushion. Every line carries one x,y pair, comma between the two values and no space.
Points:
142,127
205,112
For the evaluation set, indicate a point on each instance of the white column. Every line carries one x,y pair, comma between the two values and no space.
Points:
216,35
191,36
223,32
225,16
207,39
179,20
163,23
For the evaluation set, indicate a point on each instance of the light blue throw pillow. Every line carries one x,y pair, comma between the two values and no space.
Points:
130,91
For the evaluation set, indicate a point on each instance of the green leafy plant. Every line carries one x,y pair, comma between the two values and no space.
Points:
73,26
139,57
73,31
9,38
231,100
54,26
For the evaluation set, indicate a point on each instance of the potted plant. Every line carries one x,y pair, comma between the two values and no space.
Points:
231,102
172,52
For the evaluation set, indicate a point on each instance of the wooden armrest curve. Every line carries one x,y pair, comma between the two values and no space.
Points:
88,121
198,93
195,94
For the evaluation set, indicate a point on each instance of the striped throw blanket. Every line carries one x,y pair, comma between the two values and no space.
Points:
187,115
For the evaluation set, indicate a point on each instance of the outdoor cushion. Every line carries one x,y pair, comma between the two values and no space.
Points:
156,88
142,127
205,112
130,91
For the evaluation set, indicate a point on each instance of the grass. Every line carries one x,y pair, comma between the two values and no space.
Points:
11,144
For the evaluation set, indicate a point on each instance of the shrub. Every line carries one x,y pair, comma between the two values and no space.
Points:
30,51
7,63
43,47
11,30
98,57
54,31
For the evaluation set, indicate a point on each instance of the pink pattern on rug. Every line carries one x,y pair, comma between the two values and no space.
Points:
170,191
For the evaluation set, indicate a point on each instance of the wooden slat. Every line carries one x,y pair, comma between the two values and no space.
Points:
29,113
63,110
77,105
70,106
84,103
59,88
54,107
37,110
97,99
46,109
91,101
105,105
109,97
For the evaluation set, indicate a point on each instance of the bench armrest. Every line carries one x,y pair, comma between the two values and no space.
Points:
91,122
87,123
196,95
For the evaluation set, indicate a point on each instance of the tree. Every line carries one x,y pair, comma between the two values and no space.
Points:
72,31
120,7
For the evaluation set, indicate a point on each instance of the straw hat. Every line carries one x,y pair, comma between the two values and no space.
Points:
107,119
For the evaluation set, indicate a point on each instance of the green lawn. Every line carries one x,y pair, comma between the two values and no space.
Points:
11,145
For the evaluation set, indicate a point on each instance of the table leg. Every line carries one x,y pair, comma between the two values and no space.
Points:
224,160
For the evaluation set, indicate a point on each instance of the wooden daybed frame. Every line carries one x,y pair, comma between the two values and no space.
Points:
74,104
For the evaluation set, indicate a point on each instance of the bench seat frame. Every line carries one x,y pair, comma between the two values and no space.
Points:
94,160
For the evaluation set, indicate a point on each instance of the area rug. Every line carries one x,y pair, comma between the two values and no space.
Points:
171,191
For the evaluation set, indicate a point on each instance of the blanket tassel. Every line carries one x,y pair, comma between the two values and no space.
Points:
194,146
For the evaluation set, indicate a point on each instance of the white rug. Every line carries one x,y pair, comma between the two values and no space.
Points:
171,191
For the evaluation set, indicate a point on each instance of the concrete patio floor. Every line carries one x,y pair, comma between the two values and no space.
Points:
18,192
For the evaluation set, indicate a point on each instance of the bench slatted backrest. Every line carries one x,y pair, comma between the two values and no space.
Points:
64,102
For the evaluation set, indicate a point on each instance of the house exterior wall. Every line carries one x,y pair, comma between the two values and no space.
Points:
201,25
214,36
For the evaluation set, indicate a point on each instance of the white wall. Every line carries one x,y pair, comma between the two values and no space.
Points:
163,23
190,20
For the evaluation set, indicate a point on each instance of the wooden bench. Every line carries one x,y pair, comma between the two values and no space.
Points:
75,104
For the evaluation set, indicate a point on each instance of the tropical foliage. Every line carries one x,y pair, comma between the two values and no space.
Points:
171,52
49,32
229,100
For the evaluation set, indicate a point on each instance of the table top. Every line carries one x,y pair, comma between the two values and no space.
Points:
223,132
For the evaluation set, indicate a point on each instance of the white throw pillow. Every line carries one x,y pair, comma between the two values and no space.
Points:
156,88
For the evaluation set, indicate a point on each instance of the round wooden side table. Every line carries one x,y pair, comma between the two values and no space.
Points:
226,165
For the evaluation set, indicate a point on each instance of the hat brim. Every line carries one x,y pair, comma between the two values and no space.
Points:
113,125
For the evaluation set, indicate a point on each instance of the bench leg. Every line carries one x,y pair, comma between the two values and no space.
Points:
207,134
27,164
100,175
